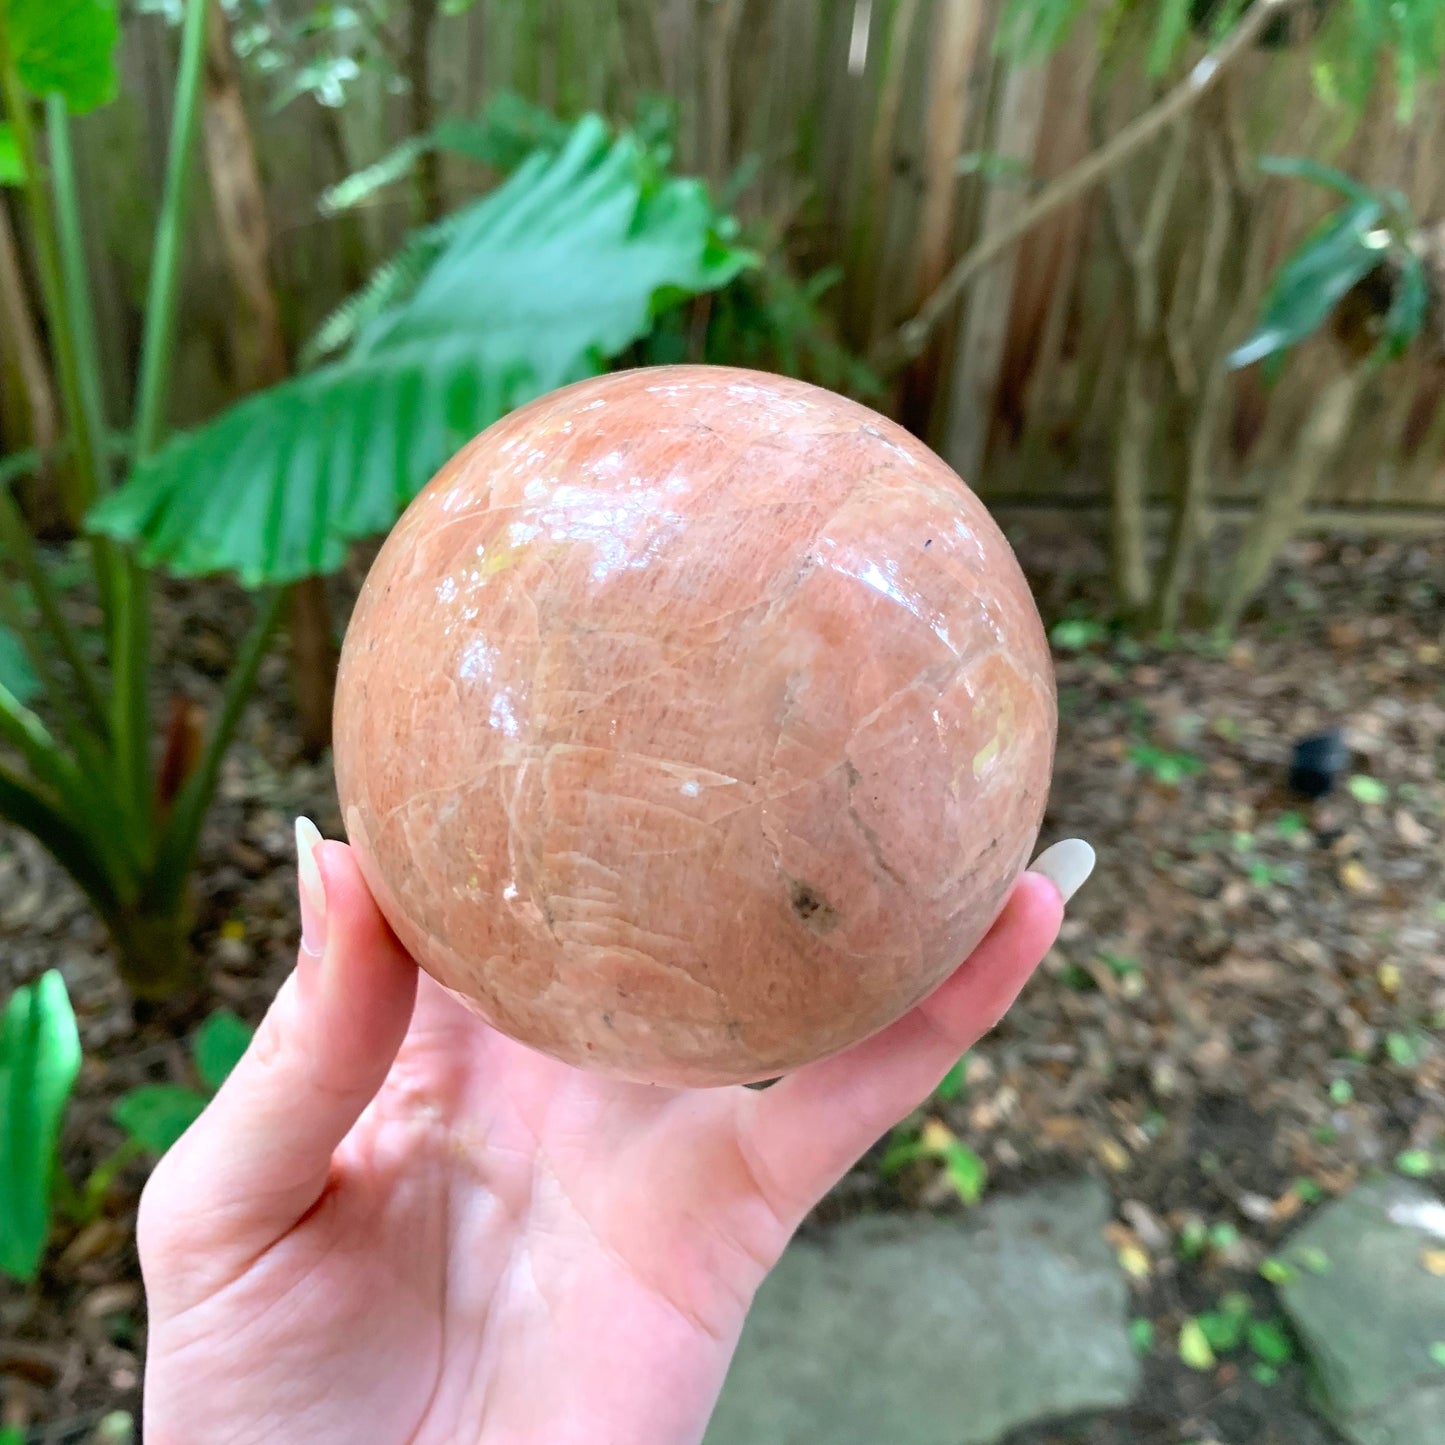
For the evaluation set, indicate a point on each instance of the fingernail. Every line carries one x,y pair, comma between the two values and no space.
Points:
1067,864
311,889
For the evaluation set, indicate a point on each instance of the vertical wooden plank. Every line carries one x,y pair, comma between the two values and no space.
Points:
878,190
953,83
973,380
1049,255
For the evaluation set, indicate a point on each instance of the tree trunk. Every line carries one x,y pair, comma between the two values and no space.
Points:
1281,512
260,345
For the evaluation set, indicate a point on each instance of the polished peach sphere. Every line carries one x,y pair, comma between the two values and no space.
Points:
693,724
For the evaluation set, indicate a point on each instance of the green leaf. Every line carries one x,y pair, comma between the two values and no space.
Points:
902,1151
542,281
966,1172
1074,634
1371,791
1031,29
1222,1330
1405,1052
1409,307
156,1115
1141,1335
1314,1259
1342,1091
1194,1347
39,1061
1305,169
994,167
952,1084
218,1046
1276,1271
64,46
1263,1374
1270,1341
1171,30
1416,1163
11,1435
16,674
12,168
1314,278
1437,1353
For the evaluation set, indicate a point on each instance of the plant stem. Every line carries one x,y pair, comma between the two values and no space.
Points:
17,540
1281,511
80,315
910,338
183,830
39,501
77,489
132,656
26,807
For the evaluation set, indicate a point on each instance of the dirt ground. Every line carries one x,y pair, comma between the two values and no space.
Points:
1244,1015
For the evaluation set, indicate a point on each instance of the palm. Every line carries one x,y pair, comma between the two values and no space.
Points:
395,1224
495,1221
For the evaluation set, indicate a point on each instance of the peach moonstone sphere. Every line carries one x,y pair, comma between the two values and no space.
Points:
693,724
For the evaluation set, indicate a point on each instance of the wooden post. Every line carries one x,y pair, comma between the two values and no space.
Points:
978,354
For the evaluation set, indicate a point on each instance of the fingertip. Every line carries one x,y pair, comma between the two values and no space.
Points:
1037,907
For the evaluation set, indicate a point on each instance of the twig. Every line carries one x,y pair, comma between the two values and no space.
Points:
910,338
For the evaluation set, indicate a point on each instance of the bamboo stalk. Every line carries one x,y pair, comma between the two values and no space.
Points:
973,377
1284,507
913,335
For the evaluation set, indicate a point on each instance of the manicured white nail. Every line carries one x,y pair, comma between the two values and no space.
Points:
311,889
1067,864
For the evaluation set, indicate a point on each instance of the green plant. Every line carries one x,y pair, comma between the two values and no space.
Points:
565,264
39,1062
536,284
154,1116
1168,769
1372,232
965,1171
88,787
1360,36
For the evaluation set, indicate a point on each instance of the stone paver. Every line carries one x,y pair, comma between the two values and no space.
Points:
1371,1313
914,1330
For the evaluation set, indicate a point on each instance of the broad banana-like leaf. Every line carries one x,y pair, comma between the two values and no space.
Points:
540,282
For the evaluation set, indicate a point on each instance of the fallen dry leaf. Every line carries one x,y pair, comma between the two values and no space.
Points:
1434,1261
1358,879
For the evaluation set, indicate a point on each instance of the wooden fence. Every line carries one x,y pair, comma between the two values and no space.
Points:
874,130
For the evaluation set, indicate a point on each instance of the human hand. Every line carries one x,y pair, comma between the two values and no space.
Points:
395,1224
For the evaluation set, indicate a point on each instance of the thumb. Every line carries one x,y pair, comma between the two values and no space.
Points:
258,1158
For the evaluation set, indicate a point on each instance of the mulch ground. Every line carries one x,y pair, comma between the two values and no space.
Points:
1244,1015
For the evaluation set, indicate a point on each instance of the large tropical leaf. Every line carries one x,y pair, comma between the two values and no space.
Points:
543,280
39,1061
1312,281
65,47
